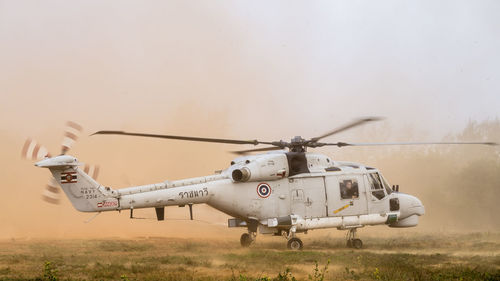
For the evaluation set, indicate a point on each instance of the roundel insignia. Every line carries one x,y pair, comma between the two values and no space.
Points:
263,190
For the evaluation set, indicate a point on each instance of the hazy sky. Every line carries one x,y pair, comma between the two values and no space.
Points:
241,69
288,64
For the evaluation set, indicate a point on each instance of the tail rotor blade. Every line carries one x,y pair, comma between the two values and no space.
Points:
51,194
71,134
91,170
33,151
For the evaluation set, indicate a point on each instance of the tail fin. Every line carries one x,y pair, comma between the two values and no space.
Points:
83,191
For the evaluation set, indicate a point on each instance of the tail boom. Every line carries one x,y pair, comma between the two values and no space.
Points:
83,191
87,195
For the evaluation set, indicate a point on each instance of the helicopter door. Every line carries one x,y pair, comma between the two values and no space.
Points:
308,197
378,199
297,205
345,195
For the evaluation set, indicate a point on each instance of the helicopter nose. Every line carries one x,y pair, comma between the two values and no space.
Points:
410,205
417,207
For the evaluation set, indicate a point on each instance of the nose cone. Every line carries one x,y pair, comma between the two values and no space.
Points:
417,207
410,205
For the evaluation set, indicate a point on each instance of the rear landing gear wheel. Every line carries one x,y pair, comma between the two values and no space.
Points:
357,243
246,240
295,244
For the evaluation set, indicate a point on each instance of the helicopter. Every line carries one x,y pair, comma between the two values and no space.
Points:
284,190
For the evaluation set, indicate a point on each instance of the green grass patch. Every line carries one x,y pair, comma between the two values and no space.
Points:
124,246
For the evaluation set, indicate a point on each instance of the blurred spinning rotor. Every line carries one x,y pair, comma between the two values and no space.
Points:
32,150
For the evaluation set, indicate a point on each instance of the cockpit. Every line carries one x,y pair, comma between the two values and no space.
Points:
378,186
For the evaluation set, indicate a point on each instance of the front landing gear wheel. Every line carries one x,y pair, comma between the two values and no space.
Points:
245,240
357,243
295,244
352,241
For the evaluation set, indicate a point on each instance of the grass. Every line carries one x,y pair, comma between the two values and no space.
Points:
419,257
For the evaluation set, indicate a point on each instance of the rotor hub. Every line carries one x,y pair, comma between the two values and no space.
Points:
298,144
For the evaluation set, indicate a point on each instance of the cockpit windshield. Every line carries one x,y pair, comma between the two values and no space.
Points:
377,187
386,185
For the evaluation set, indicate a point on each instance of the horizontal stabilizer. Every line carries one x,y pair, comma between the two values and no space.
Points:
58,161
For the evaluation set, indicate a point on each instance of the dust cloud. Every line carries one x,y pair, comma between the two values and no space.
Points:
246,71
458,186
123,162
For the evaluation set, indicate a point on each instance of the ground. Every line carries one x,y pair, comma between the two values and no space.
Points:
473,256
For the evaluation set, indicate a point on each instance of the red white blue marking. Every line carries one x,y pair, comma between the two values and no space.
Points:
263,190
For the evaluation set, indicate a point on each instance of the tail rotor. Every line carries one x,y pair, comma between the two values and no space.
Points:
71,134
32,150
91,170
52,192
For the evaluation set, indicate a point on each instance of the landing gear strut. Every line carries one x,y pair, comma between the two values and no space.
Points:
294,243
352,241
247,239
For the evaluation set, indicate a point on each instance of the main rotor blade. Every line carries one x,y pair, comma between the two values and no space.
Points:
342,144
269,148
347,126
254,142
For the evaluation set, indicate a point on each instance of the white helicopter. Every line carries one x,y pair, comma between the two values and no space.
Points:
280,192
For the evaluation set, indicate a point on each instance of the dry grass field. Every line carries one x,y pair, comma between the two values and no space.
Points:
474,256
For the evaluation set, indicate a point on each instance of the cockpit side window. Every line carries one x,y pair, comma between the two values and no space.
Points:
376,186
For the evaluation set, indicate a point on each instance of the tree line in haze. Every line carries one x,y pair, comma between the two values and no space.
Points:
459,185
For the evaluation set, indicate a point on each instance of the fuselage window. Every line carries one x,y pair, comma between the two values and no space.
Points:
376,186
349,189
